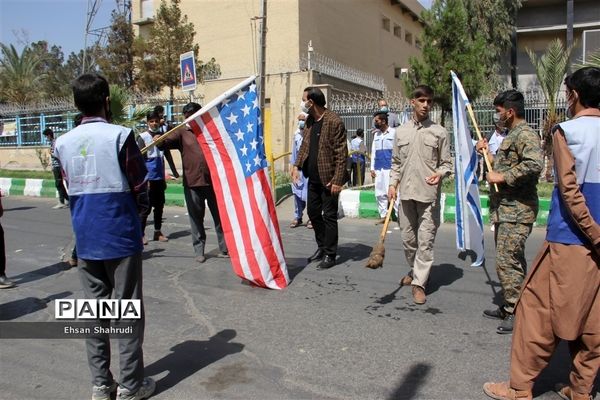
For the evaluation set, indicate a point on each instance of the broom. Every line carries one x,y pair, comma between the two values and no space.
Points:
377,255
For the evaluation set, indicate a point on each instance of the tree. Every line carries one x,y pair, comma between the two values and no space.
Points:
120,100
448,45
117,63
51,66
550,69
593,60
74,65
20,79
495,20
170,36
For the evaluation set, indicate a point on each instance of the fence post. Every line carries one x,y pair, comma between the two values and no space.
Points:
42,126
19,133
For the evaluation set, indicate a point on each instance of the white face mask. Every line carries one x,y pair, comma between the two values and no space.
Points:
303,107
301,124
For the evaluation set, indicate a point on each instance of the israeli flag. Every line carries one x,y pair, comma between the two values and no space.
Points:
469,221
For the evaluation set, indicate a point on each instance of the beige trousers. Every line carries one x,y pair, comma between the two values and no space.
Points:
419,223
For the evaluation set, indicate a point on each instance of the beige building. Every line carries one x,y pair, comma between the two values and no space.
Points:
344,45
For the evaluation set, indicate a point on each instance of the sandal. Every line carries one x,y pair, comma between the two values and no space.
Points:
309,225
295,223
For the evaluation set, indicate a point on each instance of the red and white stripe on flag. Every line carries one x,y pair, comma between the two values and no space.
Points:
230,135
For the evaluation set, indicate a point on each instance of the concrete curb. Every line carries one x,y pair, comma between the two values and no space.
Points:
362,204
45,188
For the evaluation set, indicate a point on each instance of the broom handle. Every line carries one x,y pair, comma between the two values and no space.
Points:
388,216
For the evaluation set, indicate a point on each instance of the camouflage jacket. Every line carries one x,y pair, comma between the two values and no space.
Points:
520,160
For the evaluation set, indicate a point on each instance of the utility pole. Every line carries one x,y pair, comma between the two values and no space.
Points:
569,30
263,54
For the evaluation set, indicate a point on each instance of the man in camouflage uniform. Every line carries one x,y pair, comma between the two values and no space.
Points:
514,206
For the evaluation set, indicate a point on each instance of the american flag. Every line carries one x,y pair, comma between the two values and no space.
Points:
230,133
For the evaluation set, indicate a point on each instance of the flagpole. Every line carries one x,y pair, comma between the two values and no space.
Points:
201,111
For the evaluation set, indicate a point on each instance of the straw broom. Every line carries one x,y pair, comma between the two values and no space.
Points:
377,255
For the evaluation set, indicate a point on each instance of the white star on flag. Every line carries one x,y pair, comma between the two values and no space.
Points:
253,144
249,127
232,118
246,110
239,134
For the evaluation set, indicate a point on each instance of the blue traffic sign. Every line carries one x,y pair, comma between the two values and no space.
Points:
187,66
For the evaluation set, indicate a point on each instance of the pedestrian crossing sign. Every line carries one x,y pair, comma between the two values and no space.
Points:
187,66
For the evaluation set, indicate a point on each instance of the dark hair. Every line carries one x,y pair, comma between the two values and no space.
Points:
586,82
152,115
47,132
89,93
191,108
422,91
316,95
381,114
159,109
77,119
511,99
360,132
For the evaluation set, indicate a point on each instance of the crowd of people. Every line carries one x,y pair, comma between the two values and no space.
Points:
111,186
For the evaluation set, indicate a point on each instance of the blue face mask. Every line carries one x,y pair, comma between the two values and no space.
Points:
384,109
301,124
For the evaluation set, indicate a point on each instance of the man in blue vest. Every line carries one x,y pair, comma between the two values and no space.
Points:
106,176
560,298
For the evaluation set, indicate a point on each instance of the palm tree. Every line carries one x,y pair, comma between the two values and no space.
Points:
19,78
120,99
550,70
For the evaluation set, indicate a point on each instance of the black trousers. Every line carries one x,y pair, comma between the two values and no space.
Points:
58,182
358,173
156,198
2,252
322,209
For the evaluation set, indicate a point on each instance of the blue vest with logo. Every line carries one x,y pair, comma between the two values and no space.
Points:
103,209
383,145
583,138
154,161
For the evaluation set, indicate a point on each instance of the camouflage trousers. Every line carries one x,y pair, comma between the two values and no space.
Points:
511,265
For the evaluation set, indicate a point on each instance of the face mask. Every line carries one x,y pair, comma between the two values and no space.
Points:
301,124
303,107
384,109
377,125
154,130
498,120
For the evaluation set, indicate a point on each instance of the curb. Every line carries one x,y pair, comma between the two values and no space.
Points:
362,204
45,188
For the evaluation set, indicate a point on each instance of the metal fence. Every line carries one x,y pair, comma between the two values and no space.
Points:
535,114
25,128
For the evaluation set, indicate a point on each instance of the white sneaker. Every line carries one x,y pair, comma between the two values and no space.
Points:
58,206
103,392
145,391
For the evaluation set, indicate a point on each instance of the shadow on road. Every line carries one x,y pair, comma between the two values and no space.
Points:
353,252
295,266
40,273
189,357
411,382
151,253
28,305
24,208
442,275
179,234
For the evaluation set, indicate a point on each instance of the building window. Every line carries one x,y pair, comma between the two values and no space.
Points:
400,72
397,31
385,23
146,9
417,43
408,38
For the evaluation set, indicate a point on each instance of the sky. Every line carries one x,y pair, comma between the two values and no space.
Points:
59,22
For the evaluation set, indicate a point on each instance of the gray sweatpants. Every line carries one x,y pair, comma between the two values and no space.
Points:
115,279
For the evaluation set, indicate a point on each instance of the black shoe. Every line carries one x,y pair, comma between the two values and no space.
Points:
319,254
506,326
328,262
498,313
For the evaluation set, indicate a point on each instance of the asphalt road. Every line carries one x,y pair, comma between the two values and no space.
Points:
345,333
